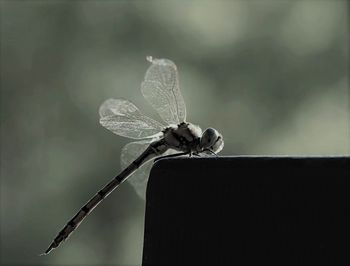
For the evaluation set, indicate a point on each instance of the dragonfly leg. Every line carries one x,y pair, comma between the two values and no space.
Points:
172,155
195,154
213,153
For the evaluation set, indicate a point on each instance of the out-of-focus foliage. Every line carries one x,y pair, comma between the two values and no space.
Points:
271,76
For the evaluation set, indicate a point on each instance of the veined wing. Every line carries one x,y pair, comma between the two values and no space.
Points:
138,179
161,89
125,119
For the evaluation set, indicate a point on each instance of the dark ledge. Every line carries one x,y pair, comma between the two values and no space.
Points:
248,210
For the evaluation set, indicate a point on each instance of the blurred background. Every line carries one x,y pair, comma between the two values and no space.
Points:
271,76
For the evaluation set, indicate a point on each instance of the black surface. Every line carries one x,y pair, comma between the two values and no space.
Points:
248,211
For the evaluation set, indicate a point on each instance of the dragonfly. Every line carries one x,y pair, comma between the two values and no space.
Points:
174,137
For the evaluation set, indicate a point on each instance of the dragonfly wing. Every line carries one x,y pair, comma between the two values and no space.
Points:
161,89
125,119
139,179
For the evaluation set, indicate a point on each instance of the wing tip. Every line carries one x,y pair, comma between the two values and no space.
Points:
149,58
161,62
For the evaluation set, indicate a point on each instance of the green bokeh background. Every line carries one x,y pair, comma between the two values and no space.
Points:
271,76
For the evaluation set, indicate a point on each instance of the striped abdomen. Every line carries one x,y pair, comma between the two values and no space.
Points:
154,149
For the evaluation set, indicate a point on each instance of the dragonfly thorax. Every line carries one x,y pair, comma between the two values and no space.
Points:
183,137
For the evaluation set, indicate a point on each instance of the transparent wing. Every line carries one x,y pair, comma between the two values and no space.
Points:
161,89
139,179
125,119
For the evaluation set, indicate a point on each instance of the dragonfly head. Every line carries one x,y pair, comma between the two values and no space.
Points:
211,140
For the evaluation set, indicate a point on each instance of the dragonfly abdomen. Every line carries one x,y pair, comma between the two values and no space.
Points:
154,149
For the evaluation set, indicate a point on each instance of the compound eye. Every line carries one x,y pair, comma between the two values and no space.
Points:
218,145
208,138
